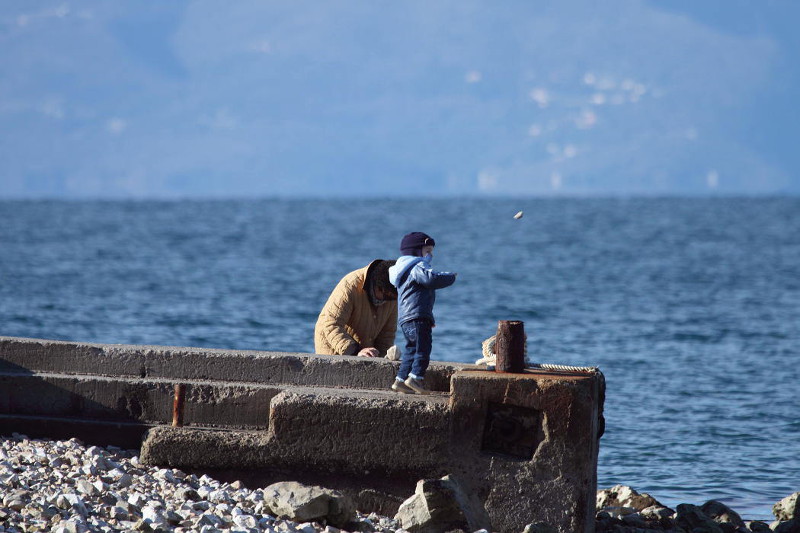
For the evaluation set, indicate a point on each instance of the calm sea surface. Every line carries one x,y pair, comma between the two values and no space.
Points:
689,306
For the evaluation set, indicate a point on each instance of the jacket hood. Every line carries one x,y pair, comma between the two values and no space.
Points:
403,265
376,269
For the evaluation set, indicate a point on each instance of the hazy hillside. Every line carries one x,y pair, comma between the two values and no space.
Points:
452,97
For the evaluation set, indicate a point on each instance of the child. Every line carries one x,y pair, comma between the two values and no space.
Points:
416,284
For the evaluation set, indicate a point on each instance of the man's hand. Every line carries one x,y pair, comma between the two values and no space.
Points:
369,352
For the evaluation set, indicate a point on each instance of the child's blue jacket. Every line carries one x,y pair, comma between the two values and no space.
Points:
416,292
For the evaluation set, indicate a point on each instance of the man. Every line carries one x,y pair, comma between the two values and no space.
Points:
360,316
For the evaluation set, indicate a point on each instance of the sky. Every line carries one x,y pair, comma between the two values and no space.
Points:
256,98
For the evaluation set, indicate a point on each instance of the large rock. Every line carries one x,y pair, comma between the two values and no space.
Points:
721,513
441,505
624,496
788,508
692,518
539,527
789,526
303,503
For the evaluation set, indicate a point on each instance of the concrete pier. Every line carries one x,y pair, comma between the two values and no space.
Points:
526,444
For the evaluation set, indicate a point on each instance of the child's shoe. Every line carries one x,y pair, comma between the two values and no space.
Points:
399,386
417,385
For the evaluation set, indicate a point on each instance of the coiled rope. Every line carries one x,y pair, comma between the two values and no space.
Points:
489,358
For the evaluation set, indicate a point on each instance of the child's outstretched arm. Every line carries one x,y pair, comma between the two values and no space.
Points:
428,277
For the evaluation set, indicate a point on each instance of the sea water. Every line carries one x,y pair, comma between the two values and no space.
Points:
689,306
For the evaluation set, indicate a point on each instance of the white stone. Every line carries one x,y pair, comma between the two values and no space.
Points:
619,512
72,501
103,464
245,521
65,501
137,499
165,475
16,499
73,526
296,501
201,505
441,503
152,513
284,525
624,496
656,512
210,519
788,508
85,487
118,513
173,518
218,496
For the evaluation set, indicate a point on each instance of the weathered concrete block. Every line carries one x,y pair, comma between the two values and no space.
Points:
524,445
352,432
134,400
20,355
527,438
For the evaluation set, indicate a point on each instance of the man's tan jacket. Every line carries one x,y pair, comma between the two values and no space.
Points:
349,322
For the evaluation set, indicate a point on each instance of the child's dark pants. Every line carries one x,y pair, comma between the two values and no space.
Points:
417,351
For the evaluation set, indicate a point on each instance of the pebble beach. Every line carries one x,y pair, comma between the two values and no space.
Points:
65,486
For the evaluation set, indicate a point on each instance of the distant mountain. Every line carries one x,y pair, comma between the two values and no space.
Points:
254,98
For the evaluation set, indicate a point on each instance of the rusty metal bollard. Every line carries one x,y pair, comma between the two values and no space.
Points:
510,347
177,405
